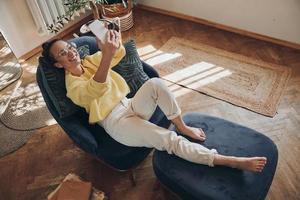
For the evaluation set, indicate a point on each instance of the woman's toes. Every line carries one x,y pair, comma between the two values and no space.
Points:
202,132
202,138
259,168
263,159
260,165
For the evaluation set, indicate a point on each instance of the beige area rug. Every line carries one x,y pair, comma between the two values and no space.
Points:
26,109
9,73
240,80
10,69
22,111
11,140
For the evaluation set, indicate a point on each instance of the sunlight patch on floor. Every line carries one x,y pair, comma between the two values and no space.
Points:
8,64
29,68
176,90
189,71
4,51
7,95
4,76
50,122
28,99
151,55
209,79
146,50
193,76
163,58
200,73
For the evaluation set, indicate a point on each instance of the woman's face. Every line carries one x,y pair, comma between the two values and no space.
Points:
65,54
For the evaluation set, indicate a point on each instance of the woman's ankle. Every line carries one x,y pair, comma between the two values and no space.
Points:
178,123
229,161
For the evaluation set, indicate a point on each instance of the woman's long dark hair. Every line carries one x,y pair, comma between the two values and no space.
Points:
46,51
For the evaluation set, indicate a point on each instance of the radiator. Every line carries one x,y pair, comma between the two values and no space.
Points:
46,13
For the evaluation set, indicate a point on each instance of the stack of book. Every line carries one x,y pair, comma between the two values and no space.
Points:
72,187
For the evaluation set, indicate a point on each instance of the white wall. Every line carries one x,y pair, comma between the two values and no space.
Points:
274,18
18,27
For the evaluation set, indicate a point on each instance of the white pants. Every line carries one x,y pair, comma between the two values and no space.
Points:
128,124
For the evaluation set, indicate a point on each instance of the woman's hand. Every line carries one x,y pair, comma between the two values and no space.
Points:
110,46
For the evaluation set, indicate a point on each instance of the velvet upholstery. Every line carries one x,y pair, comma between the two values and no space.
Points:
92,138
131,68
195,181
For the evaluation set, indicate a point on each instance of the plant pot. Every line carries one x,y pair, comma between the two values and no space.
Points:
118,10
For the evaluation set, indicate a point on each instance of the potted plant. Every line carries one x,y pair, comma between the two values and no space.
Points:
121,9
109,9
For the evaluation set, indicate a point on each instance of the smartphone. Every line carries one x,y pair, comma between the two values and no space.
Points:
98,29
114,24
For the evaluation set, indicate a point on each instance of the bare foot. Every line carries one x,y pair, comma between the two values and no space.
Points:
255,164
196,133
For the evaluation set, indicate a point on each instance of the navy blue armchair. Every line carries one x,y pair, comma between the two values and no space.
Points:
92,138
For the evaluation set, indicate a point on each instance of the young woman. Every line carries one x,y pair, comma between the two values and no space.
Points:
102,92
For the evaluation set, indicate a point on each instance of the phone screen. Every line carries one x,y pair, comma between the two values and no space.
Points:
98,29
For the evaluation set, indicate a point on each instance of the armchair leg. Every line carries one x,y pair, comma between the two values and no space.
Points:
132,177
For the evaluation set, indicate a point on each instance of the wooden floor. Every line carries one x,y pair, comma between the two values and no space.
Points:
34,170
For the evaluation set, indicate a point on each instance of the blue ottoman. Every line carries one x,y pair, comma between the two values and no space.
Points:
195,181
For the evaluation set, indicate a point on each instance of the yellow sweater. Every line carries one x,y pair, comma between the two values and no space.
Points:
98,99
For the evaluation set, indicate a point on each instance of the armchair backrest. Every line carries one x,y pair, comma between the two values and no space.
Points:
75,125
87,137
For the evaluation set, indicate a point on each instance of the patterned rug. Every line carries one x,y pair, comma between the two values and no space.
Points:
9,73
12,140
240,80
22,111
10,69
26,109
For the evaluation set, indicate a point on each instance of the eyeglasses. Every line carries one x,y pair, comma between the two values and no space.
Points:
64,52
